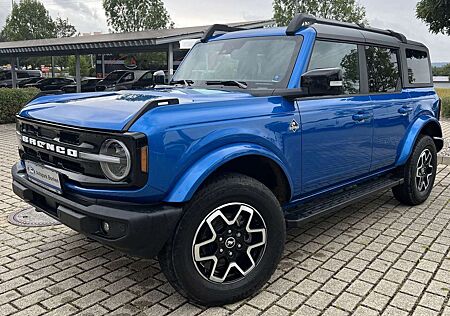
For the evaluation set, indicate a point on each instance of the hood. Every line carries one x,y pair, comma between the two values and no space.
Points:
112,110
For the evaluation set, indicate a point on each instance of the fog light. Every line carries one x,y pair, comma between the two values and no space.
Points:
105,227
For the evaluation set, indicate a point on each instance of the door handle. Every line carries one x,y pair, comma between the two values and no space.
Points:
405,110
361,117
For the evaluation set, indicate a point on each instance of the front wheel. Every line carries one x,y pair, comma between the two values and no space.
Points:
228,242
419,173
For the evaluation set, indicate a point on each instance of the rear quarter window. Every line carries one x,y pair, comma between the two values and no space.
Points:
418,66
383,69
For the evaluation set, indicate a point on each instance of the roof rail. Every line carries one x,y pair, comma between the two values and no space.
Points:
302,19
218,28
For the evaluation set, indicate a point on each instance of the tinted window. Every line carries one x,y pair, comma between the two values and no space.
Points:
418,66
147,76
128,77
22,75
383,69
338,55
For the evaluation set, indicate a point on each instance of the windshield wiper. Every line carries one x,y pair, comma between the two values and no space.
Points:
187,83
240,84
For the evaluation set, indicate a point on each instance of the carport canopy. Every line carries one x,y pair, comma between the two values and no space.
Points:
166,40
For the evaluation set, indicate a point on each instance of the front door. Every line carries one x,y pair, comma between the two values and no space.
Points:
337,131
336,140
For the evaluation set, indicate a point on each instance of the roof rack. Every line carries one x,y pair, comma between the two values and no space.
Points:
218,28
302,19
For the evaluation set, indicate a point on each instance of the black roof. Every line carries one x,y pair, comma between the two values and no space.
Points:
331,29
364,36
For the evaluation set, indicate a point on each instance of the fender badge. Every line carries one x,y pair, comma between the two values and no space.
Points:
294,127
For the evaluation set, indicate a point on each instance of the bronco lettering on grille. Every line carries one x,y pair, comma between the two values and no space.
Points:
50,147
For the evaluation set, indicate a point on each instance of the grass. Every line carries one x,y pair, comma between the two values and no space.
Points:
444,94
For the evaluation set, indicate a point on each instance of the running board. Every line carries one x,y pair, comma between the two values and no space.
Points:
324,205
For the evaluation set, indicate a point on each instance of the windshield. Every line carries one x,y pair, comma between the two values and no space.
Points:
261,62
114,76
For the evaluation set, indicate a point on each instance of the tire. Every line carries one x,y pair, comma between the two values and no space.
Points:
229,195
418,181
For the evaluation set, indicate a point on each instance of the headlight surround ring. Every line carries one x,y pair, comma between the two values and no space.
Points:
116,171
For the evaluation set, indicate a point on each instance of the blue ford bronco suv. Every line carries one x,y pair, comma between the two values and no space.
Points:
258,130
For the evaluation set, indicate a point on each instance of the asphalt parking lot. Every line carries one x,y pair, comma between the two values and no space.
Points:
373,258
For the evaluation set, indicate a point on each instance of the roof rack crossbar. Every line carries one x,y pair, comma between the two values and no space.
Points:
218,28
302,20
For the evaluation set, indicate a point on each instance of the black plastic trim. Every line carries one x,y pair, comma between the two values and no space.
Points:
150,106
218,28
139,230
90,142
302,20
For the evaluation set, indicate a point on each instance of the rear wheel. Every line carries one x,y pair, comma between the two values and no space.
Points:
228,242
419,173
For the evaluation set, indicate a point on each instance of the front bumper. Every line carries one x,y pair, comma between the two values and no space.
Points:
139,230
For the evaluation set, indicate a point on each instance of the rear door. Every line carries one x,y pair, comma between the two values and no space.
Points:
392,107
336,130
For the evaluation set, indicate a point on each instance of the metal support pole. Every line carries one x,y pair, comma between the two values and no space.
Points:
103,66
78,72
13,73
53,67
170,61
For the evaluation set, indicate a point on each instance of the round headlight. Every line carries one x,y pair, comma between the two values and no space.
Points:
119,166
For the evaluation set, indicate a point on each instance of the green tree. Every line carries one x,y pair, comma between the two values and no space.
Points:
63,28
85,65
436,14
136,15
28,20
342,10
442,71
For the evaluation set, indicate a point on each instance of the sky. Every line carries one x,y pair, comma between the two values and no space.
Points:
398,15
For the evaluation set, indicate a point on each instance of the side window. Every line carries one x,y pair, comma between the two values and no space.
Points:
383,69
148,77
22,75
128,77
418,67
338,55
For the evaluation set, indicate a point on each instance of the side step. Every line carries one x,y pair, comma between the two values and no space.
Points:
326,204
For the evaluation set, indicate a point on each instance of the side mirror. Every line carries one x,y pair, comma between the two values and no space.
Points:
159,78
322,82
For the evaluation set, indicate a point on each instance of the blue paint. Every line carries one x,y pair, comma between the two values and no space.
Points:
210,127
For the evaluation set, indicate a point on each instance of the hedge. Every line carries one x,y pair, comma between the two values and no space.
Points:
12,101
444,94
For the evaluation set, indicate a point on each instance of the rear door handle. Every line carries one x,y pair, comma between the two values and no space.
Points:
405,110
361,117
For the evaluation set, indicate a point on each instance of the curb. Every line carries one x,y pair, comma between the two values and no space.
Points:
443,160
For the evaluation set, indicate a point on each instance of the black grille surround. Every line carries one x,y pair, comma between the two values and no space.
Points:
83,172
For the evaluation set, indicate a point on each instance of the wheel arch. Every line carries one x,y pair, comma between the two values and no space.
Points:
424,125
249,159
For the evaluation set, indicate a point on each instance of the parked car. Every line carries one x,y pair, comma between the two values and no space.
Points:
50,84
126,80
87,85
22,75
23,82
262,129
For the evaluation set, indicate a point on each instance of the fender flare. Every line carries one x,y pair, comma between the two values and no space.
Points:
413,133
191,180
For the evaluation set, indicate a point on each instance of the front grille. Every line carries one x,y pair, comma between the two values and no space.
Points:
81,141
